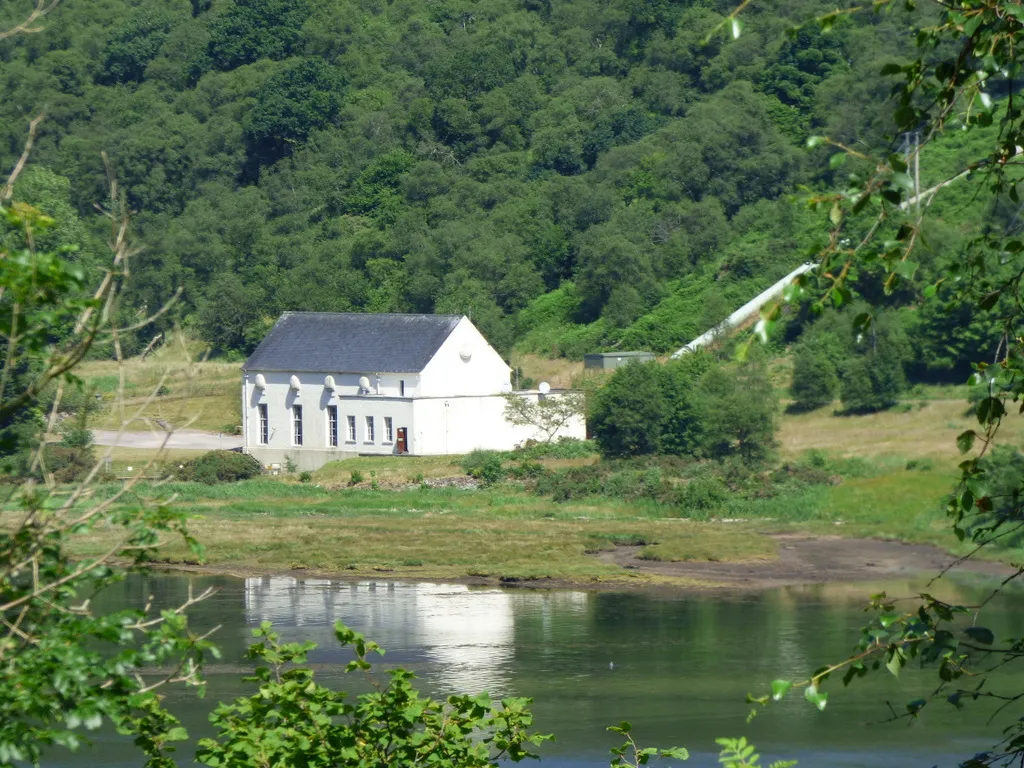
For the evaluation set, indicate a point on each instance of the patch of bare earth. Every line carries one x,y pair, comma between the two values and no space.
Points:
809,560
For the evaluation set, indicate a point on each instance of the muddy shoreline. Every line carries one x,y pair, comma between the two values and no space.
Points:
802,559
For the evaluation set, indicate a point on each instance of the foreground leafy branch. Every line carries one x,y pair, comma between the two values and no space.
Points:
965,76
294,720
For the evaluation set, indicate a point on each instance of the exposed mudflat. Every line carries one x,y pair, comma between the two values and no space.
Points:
810,560
802,559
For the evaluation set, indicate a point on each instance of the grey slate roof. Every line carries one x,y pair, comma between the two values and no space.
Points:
342,342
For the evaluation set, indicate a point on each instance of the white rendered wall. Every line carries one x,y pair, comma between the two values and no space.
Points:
447,373
456,425
314,398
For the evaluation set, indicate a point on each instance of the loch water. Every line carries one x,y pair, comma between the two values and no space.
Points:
678,666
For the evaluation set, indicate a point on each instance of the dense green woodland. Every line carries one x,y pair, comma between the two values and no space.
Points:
572,174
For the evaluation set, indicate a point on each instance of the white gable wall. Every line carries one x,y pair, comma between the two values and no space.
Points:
448,373
454,425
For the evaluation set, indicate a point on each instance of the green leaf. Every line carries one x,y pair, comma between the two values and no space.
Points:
965,440
676,753
735,27
895,662
905,269
813,695
981,635
894,196
779,689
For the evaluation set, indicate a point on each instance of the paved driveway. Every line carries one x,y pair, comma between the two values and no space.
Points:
181,438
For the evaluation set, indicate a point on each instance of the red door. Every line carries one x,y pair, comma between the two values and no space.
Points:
403,444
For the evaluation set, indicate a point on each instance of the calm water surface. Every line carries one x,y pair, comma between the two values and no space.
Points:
678,667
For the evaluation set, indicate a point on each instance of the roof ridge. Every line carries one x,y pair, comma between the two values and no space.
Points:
369,314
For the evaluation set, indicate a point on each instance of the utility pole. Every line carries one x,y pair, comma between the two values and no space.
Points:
912,152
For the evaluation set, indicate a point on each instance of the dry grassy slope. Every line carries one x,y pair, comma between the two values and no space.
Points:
192,394
927,429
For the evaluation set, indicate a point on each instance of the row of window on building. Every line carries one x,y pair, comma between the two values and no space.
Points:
369,427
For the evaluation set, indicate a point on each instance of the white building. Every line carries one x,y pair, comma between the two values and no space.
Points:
322,386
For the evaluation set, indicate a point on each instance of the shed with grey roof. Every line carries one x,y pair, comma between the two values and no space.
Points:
610,360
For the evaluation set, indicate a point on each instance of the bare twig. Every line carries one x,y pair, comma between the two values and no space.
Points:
33,127
26,27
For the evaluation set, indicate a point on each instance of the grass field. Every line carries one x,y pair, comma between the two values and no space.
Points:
170,386
270,525
501,532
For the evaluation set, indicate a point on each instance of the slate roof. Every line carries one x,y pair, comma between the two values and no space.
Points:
337,342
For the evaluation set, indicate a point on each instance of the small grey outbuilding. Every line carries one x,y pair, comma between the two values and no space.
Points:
610,360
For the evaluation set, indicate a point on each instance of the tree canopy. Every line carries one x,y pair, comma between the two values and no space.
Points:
577,176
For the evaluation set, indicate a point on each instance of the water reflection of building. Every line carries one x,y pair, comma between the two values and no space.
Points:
461,639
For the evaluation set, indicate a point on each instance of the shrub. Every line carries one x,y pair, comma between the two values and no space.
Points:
736,410
629,411
642,484
704,492
69,464
575,483
527,469
75,432
562,448
219,467
874,377
483,465
305,477
815,378
356,477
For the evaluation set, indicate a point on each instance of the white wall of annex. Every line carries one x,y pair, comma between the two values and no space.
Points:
457,425
450,373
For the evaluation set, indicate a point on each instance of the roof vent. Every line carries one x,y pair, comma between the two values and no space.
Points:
294,383
466,353
261,381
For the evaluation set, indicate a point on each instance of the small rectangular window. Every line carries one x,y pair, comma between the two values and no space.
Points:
297,424
369,429
389,432
264,424
401,387
332,426
351,428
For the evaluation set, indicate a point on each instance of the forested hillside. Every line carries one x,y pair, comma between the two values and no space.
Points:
575,174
